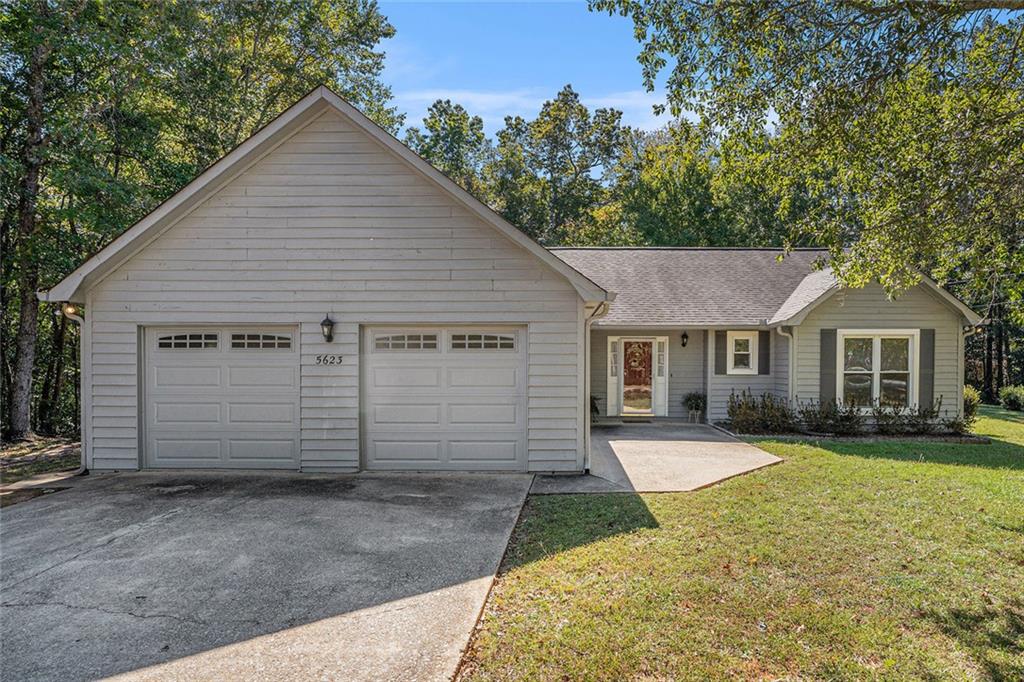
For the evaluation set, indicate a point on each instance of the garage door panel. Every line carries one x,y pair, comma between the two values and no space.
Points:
177,376
406,451
483,413
406,377
419,414
453,406
225,404
192,449
177,413
483,377
243,450
261,377
261,413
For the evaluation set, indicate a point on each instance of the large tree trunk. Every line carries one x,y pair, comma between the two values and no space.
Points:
19,422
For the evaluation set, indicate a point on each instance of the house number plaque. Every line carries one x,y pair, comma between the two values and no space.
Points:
328,359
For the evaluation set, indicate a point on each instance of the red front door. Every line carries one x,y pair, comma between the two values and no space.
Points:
637,371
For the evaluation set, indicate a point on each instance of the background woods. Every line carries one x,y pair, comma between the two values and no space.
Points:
892,134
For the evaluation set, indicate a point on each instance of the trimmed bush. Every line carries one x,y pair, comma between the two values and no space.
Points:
1012,397
762,414
972,399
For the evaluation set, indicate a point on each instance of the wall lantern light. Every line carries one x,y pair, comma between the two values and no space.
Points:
327,327
685,339
69,308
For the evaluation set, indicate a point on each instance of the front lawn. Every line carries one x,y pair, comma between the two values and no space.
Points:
849,560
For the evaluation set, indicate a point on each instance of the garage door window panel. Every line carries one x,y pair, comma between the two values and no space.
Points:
188,341
483,341
256,341
400,342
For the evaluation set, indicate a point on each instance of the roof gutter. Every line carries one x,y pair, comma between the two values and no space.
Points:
72,312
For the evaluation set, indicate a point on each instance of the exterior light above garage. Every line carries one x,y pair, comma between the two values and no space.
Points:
685,339
327,327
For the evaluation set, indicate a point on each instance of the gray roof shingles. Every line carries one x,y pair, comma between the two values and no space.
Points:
696,287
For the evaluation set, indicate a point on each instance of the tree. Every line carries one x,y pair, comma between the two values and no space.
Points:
900,126
454,142
107,108
548,172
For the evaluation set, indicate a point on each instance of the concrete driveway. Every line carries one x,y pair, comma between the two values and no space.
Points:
277,577
662,456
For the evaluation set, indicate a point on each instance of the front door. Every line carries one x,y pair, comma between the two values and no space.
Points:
638,376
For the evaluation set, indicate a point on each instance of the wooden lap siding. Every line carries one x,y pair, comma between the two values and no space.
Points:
868,308
330,221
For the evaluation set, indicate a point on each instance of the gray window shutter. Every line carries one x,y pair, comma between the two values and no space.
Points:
827,372
764,352
926,391
720,352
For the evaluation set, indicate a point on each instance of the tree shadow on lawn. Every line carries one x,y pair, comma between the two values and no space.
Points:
552,524
999,454
994,634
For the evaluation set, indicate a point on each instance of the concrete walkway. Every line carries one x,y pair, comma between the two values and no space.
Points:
172,576
658,457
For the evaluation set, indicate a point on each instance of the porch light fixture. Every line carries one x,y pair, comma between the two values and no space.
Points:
327,327
69,308
685,339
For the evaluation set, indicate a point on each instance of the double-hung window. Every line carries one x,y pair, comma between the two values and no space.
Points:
877,367
742,350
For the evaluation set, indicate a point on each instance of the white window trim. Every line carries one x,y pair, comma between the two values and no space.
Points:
876,359
730,341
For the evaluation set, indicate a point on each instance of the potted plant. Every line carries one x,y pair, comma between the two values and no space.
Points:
695,403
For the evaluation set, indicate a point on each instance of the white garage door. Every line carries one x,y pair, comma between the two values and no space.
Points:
445,398
222,398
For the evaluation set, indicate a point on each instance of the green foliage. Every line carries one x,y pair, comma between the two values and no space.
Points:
137,97
830,416
696,401
761,414
972,400
1012,397
896,128
454,142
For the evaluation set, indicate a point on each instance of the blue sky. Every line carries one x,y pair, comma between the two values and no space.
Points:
505,58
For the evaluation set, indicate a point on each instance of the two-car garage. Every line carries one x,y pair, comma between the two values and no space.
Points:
447,398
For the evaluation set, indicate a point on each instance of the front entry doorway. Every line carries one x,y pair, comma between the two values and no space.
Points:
638,376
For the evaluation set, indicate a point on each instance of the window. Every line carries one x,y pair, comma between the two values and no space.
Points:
260,341
187,341
876,367
742,349
613,369
405,342
661,359
483,342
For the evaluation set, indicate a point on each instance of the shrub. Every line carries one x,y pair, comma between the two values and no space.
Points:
972,399
817,417
763,414
890,420
1012,397
923,419
695,401
848,420
958,425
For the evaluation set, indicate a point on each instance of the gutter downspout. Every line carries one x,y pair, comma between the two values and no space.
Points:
70,310
599,311
791,357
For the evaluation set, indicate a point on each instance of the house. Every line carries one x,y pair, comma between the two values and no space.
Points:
323,299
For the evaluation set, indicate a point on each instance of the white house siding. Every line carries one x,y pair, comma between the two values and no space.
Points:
721,386
868,308
780,364
686,365
330,221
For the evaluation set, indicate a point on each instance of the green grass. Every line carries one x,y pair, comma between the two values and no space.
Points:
847,561
39,455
